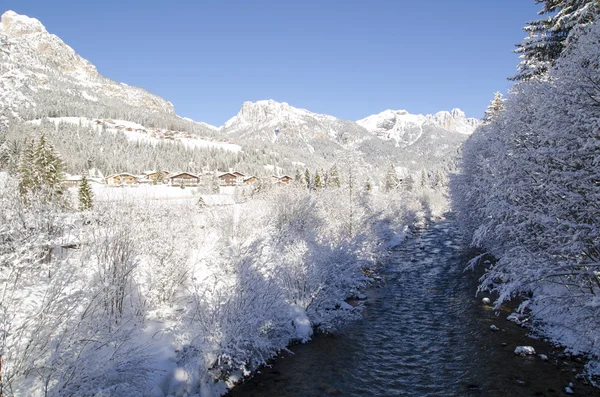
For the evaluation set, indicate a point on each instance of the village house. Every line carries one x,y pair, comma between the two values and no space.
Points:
281,179
228,179
122,179
151,175
184,179
73,181
249,180
285,179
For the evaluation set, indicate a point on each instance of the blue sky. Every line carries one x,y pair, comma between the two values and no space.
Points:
347,58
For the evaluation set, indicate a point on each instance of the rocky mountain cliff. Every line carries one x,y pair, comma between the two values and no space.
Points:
34,62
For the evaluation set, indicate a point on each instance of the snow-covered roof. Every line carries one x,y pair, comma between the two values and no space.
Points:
121,174
183,173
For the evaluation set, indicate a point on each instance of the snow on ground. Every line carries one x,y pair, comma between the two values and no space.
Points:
137,132
143,192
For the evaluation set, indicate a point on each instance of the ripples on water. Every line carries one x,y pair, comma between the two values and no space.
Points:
423,333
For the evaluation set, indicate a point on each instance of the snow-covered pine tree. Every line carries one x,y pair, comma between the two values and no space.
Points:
86,196
48,168
318,181
160,177
546,37
494,108
307,179
391,179
424,178
333,179
25,170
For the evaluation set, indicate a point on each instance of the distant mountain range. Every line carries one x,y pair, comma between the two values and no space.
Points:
41,76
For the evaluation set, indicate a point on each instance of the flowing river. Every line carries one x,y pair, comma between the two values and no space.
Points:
423,333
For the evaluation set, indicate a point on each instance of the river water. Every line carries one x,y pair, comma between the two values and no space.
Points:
423,333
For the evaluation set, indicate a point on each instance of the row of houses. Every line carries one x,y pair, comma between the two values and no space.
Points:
231,178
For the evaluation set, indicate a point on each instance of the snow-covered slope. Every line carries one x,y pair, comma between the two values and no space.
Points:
281,123
33,61
406,128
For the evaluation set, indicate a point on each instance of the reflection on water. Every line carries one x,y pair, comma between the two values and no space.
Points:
423,333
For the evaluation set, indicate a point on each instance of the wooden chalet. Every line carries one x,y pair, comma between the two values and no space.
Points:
122,179
250,180
151,175
285,179
238,174
73,181
184,179
228,179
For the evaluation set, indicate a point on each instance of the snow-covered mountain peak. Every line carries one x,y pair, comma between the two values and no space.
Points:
269,120
34,61
15,24
455,121
406,128
266,111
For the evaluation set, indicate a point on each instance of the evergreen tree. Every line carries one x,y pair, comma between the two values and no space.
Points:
307,178
86,196
160,177
546,37
424,178
391,179
333,180
494,109
48,167
41,168
318,182
298,176
25,171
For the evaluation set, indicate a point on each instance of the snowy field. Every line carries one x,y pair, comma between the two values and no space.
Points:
151,294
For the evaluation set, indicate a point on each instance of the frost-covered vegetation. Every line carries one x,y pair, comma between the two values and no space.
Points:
151,297
529,188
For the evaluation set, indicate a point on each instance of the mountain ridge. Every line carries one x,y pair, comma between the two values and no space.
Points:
41,77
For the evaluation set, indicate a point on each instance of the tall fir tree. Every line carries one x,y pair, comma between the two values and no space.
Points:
494,109
86,196
391,179
160,177
307,179
333,179
48,167
26,168
41,168
318,181
546,37
424,178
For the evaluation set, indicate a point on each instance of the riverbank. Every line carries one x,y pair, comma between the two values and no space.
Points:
425,333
